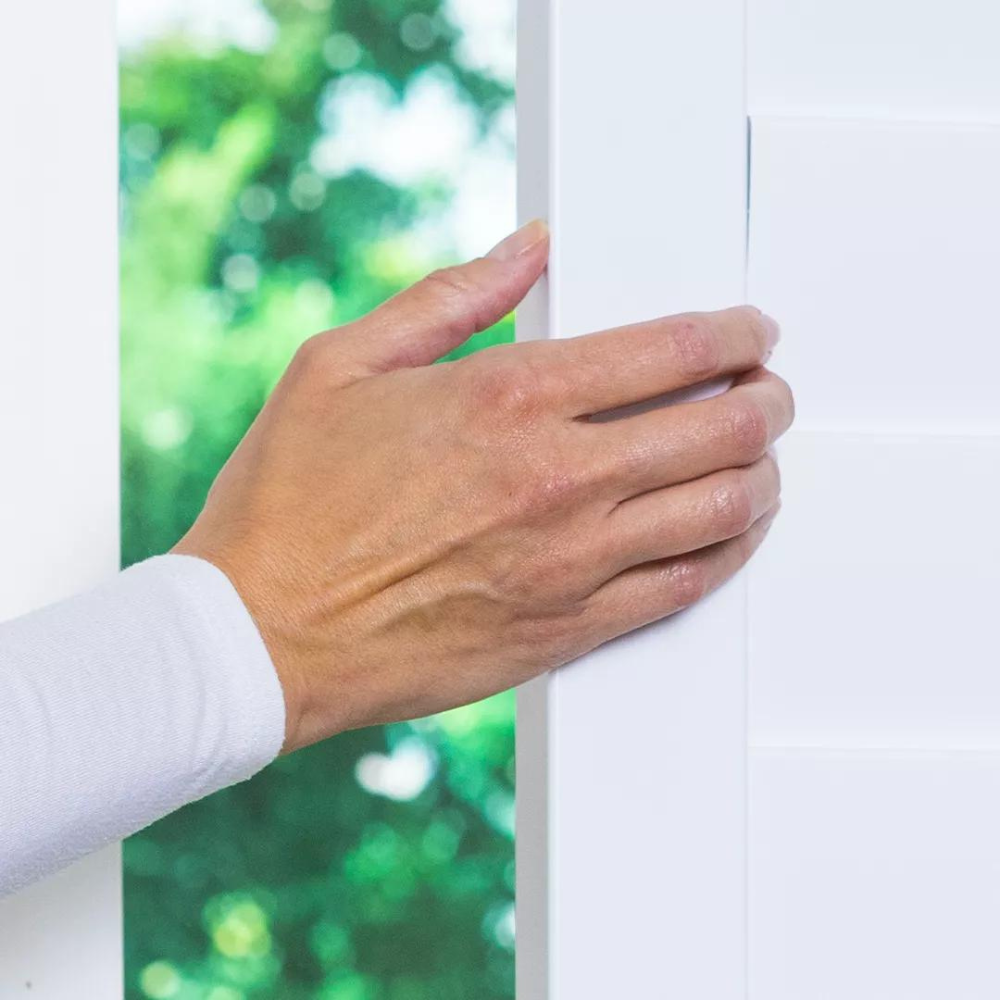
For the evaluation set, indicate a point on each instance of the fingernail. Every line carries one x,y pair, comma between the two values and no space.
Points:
518,243
768,519
772,330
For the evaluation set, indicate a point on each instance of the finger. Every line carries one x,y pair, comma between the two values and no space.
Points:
634,363
655,590
674,444
443,310
680,519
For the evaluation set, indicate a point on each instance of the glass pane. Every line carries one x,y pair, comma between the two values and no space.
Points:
285,166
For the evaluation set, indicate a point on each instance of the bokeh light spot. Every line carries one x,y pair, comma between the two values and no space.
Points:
238,926
225,993
307,191
314,298
330,943
240,273
417,32
350,987
341,51
257,203
401,775
167,428
141,141
498,924
160,980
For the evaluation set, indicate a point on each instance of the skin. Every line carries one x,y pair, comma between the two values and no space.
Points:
411,537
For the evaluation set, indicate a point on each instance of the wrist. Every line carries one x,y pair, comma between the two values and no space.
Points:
264,617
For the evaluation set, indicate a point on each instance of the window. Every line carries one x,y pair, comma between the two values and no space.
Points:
285,167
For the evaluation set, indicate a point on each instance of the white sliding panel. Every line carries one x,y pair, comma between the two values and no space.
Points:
632,762
59,416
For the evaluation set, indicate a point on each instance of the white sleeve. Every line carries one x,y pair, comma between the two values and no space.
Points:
121,704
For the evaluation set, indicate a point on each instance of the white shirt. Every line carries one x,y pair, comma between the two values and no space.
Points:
122,704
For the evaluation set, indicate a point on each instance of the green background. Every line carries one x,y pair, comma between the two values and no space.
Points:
378,866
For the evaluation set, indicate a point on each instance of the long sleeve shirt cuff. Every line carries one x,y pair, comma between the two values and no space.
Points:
121,704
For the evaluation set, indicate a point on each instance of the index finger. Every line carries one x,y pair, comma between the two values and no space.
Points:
630,364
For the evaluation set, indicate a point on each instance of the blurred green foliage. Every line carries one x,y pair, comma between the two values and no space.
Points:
378,866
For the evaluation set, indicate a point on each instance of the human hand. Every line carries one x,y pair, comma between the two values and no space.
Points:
411,537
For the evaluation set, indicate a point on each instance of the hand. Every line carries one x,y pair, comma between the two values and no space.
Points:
411,537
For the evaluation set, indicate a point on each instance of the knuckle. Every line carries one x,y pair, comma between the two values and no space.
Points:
636,462
310,353
696,348
457,299
550,581
552,377
563,630
317,360
749,428
687,581
518,583
732,507
557,572
449,282
505,389
549,487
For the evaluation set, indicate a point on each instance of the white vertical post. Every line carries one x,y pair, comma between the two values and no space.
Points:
59,509
632,762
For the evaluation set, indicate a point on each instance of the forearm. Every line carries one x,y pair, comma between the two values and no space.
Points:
122,704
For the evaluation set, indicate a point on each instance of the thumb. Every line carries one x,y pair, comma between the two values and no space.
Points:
443,310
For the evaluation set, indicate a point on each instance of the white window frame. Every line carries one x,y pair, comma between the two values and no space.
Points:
59,417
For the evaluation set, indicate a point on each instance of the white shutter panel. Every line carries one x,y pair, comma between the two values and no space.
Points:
865,648
873,668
